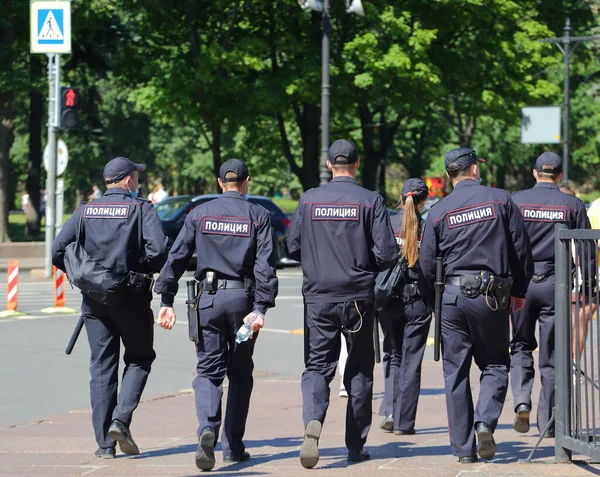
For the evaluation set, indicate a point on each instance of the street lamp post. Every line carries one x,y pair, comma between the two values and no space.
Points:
564,45
351,7
324,174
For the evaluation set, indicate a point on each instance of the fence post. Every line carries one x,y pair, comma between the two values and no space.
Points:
563,357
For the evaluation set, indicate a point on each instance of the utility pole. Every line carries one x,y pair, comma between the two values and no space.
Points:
53,125
564,45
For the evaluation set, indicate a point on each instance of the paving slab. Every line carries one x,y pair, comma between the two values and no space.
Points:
165,430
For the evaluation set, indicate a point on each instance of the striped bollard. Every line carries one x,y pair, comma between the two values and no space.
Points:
59,294
59,287
12,291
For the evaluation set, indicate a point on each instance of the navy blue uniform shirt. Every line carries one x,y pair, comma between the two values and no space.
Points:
396,221
342,234
476,228
233,238
110,234
541,207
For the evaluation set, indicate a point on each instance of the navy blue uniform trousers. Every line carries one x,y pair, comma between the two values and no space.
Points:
405,329
470,329
323,325
539,307
132,322
221,315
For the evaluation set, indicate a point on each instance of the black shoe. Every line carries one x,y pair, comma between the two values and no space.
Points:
387,425
121,434
205,455
485,438
521,422
358,455
401,432
309,451
233,459
105,452
468,459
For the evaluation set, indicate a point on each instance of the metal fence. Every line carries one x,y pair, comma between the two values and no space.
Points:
577,338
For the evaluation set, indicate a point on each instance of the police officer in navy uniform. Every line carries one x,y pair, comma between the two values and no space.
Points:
541,207
123,234
342,235
234,243
406,319
479,233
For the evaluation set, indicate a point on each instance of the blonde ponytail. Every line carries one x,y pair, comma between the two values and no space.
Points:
410,231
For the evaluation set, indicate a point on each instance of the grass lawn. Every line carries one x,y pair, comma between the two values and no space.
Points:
287,205
16,228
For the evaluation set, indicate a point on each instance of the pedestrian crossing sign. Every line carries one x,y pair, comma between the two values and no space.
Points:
50,26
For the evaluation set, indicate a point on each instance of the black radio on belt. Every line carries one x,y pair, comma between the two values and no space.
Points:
210,284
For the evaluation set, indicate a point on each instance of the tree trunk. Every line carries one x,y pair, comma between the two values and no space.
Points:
34,175
370,161
216,150
6,140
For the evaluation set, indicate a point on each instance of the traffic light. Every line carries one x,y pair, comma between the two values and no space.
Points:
69,103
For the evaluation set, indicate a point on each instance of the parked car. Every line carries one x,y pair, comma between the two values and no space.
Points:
173,211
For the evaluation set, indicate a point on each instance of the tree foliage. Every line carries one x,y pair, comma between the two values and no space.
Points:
182,86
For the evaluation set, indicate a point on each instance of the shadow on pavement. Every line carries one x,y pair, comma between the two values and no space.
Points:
432,391
511,452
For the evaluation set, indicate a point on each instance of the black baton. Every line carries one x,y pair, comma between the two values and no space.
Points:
74,336
376,340
193,331
439,291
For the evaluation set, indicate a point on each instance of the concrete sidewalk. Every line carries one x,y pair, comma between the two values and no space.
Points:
165,430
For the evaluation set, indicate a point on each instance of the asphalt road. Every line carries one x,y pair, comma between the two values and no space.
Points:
37,379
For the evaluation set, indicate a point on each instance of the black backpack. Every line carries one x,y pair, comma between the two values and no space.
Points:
99,283
388,282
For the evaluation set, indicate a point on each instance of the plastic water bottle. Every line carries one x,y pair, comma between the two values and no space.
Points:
244,333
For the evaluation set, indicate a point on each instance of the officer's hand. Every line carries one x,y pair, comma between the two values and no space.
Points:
257,320
166,317
516,304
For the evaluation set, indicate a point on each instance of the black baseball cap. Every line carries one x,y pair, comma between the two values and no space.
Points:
119,168
549,162
343,151
415,187
461,158
236,166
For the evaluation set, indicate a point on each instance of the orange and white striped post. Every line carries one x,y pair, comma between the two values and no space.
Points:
59,294
59,288
12,293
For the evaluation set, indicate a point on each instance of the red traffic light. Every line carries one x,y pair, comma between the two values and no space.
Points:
70,97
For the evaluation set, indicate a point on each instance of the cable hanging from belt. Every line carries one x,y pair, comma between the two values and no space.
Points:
361,320
487,289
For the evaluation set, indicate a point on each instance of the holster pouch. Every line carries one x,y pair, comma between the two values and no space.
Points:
140,282
409,292
210,283
192,311
539,278
471,286
249,286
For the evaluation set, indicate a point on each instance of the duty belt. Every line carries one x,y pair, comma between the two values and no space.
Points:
471,286
539,278
223,284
